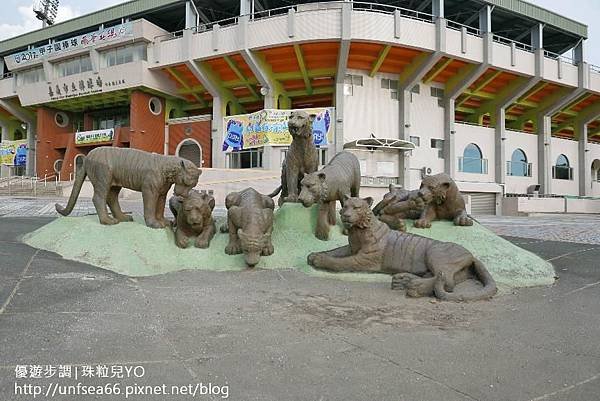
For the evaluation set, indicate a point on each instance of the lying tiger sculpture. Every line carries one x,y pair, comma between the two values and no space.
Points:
249,224
438,198
422,266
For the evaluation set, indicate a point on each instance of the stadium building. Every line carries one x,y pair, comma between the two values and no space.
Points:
496,93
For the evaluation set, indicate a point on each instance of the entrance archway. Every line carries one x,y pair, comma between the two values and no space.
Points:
191,150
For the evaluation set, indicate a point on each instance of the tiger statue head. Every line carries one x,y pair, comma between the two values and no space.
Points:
437,188
356,212
196,209
300,124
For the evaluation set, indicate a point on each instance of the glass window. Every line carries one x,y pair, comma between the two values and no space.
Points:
416,140
472,160
357,80
31,75
110,119
385,83
251,158
124,54
439,145
562,170
437,92
74,66
518,164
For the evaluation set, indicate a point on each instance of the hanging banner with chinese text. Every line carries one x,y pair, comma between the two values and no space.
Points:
74,43
93,137
270,127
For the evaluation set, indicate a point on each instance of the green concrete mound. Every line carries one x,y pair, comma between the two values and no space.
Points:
133,249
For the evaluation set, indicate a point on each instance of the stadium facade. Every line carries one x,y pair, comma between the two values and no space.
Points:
482,90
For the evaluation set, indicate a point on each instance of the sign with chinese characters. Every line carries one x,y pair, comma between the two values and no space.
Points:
77,42
97,136
270,127
13,153
75,88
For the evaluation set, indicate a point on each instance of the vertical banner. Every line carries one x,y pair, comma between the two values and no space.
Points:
270,127
13,153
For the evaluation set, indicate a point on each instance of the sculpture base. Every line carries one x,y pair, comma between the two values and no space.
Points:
132,249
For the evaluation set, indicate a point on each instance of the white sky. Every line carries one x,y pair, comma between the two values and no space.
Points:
18,18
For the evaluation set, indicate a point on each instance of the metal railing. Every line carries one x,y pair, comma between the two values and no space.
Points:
560,57
378,181
472,165
562,173
30,186
300,8
457,26
518,169
506,41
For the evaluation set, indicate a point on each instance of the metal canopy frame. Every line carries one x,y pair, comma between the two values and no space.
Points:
380,143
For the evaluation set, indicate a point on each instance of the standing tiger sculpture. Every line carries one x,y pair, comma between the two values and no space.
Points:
110,169
341,177
422,266
438,198
302,157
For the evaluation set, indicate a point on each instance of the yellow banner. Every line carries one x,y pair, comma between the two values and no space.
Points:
246,131
13,153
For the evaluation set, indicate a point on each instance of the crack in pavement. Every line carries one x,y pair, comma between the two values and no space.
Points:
16,288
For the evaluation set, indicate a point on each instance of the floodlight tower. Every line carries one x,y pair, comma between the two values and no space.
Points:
46,11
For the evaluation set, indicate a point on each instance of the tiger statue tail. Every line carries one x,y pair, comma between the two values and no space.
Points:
488,291
79,179
275,192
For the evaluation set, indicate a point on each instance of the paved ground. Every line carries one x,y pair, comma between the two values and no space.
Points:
281,335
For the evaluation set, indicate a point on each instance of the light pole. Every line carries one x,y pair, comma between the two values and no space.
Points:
46,11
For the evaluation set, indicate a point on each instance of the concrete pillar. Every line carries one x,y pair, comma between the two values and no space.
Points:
404,122
437,8
218,156
342,63
485,19
245,7
192,18
537,37
31,145
500,146
579,52
450,160
585,169
544,124
4,134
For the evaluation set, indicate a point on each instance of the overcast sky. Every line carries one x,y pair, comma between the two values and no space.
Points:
18,18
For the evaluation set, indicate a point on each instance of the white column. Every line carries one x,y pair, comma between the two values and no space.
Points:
585,169
544,133
218,156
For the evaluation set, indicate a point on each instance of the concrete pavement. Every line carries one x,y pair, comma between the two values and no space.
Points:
282,335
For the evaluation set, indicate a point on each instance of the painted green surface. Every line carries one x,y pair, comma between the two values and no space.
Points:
135,250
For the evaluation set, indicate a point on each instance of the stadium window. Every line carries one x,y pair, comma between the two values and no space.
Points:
437,92
394,95
472,160
385,83
562,170
251,158
124,54
74,65
416,141
31,75
439,145
416,89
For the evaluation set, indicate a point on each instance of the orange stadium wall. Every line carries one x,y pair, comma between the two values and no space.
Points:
52,140
200,131
147,130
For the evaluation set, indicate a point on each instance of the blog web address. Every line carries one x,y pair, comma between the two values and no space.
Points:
56,389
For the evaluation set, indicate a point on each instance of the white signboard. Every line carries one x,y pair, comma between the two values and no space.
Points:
93,137
77,42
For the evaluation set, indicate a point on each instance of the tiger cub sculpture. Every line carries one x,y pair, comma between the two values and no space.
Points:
249,224
422,266
193,219
340,177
